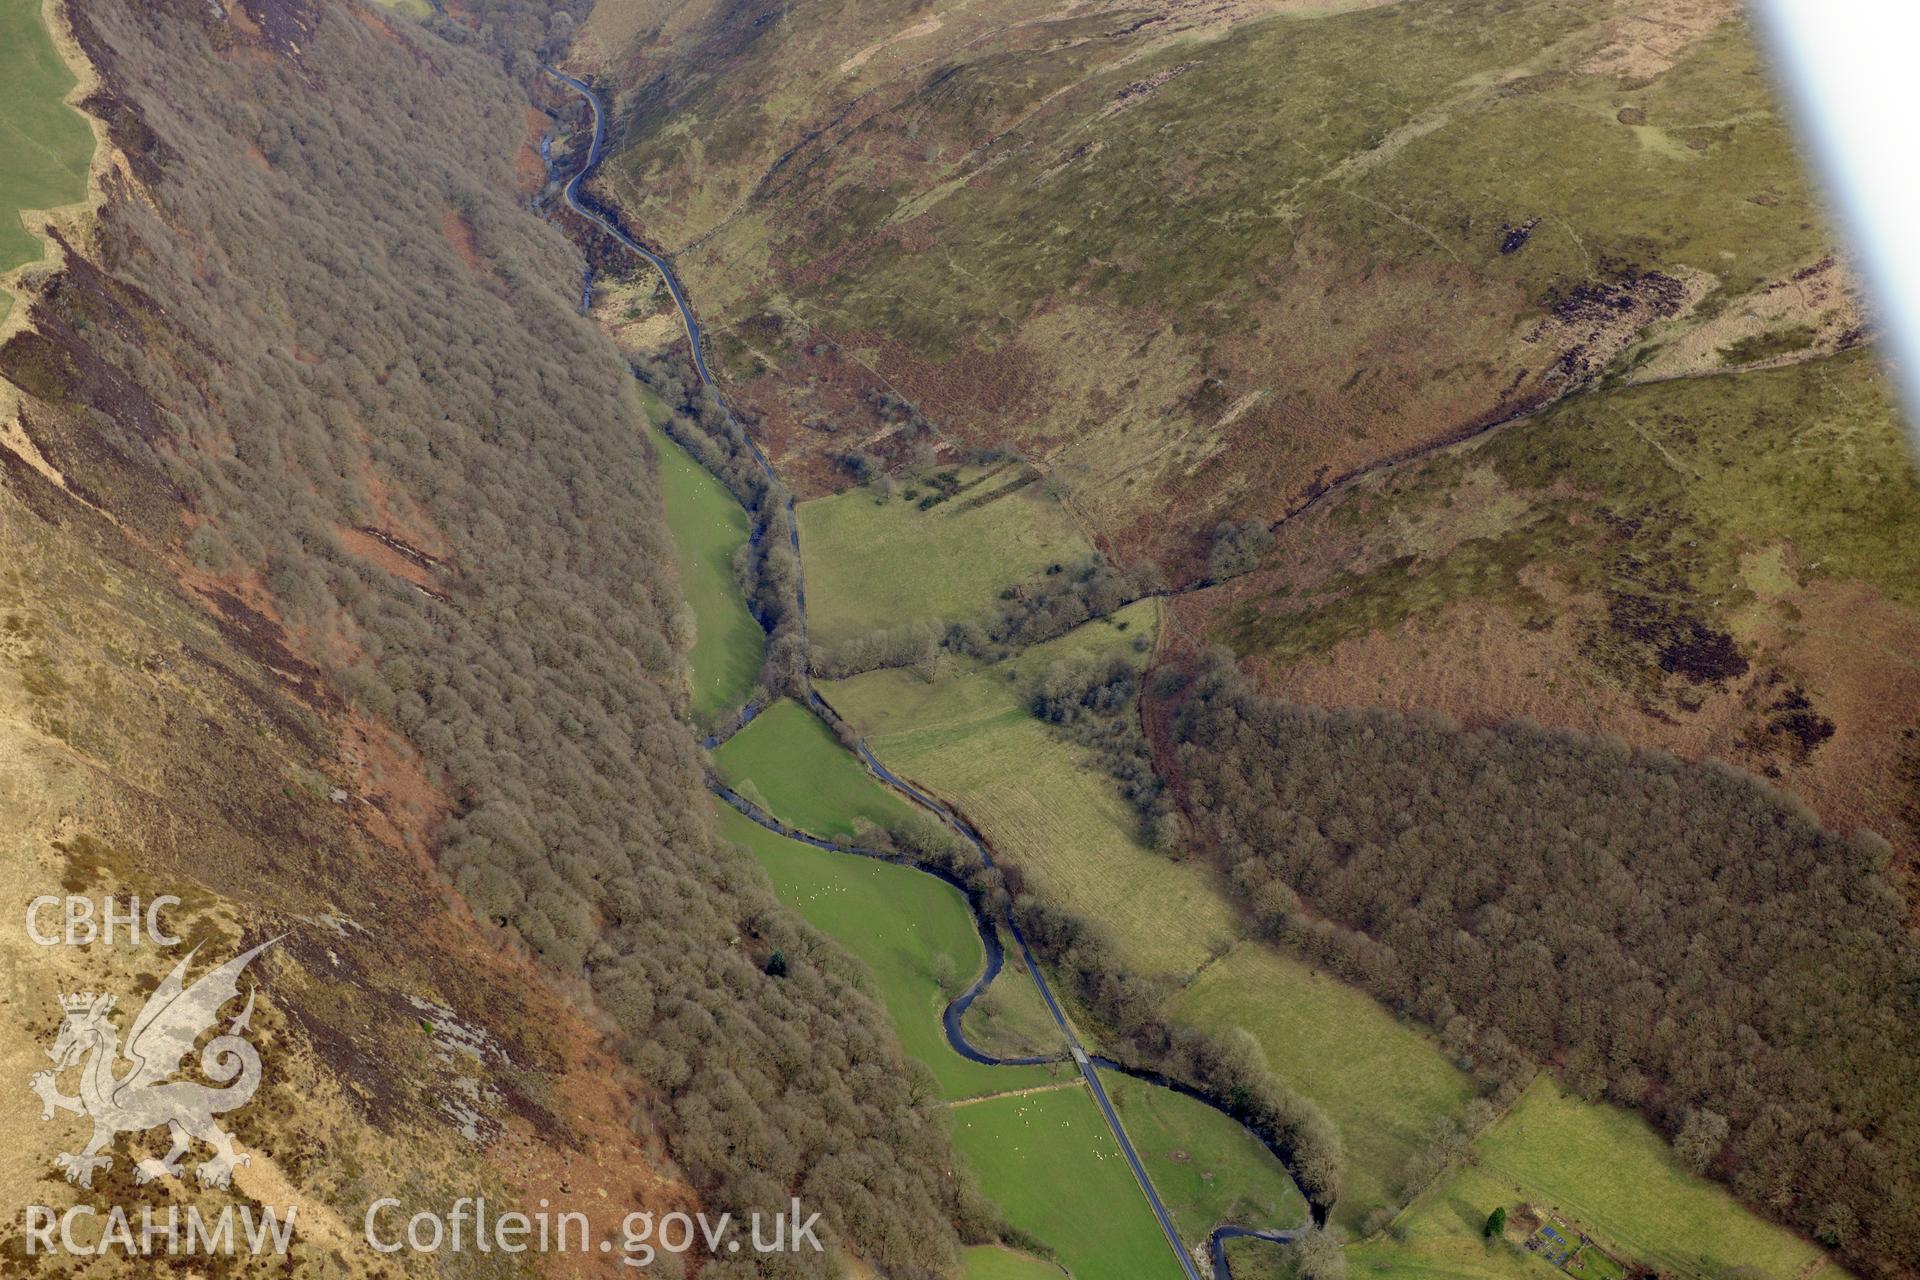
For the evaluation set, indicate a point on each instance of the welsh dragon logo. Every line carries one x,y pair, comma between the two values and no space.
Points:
148,1096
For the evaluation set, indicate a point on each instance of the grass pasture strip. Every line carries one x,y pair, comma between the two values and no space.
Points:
1609,1172
1009,1019
898,922
708,526
1049,1162
1206,1167
1045,806
1049,810
790,760
873,563
1073,1082
1060,820
991,1262
1440,1237
1379,1081
45,145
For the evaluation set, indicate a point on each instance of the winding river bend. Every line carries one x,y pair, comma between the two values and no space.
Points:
1089,1065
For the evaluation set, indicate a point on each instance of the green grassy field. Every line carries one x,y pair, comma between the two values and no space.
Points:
1412,136
896,702
45,145
1593,1263
989,1262
878,564
1042,1157
1207,1168
1603,1170
708,526
1048,808
1044,804
1608,1172
898,922
1439,1237
1009,1019
790,762
1380,1082
1049,1162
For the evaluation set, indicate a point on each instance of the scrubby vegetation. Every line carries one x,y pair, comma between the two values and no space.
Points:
1095,703
1238,546
1054,603
387,373
1680,938
1482,203
914,645
1031,612
515,31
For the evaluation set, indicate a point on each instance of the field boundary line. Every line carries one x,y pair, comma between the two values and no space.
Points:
1053,1087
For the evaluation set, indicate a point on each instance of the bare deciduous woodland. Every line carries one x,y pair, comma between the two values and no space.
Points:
324,298
1679,938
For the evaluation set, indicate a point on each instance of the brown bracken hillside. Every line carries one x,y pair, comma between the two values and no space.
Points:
1264,263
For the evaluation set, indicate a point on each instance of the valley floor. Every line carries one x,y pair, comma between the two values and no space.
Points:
966,733
963,730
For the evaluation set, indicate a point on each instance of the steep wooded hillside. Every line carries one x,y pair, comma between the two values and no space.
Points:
336,580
